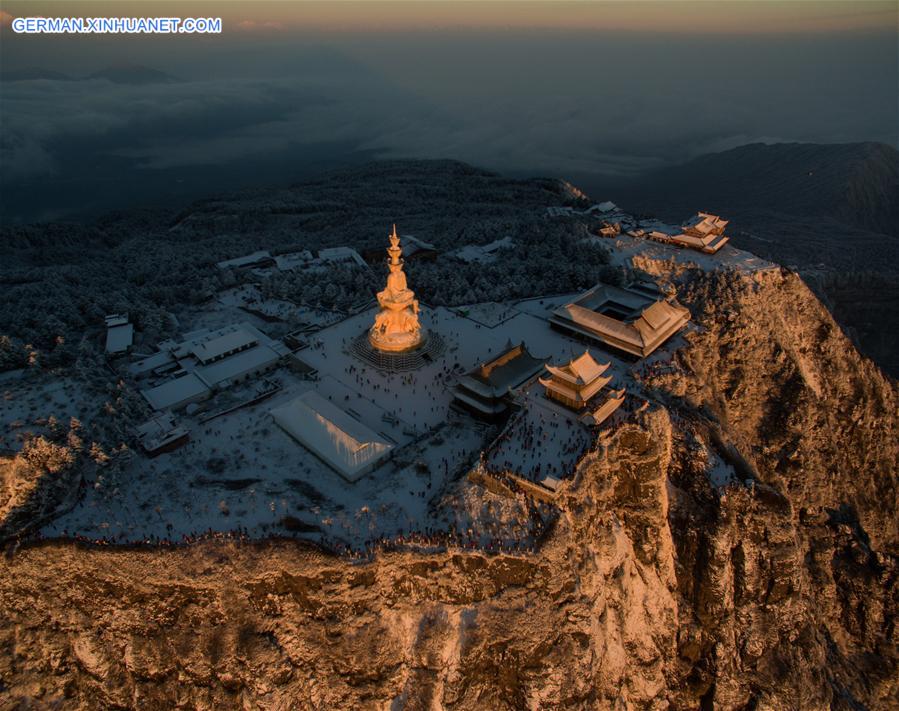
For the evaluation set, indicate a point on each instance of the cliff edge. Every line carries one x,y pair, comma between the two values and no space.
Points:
661,584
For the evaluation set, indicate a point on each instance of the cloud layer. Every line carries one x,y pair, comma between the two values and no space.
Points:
582,103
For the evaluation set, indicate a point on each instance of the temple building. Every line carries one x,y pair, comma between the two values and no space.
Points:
205,362
396,328
485,391
574,383
579,385
630,319
703,232
704,225
609,229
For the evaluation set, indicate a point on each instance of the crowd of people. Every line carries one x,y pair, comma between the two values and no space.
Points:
151,541
539,442
429,540
433,540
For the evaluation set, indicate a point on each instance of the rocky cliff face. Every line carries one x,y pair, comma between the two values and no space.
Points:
655,589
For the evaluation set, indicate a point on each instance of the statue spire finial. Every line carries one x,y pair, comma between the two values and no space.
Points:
394,240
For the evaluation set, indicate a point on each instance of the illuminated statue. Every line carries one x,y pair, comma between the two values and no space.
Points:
396,326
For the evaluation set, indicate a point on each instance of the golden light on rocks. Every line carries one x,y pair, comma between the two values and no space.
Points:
396,328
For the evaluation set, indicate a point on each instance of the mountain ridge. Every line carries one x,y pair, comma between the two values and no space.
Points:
134,74
855,183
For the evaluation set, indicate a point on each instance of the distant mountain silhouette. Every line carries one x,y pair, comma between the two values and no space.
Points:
135,74
32,74
854,183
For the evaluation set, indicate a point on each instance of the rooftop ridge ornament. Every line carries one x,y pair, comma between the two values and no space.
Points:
396,328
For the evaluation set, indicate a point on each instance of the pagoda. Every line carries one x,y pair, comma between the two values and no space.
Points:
579,386
574,383
396,328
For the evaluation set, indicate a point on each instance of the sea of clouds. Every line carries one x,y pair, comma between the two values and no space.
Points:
562,103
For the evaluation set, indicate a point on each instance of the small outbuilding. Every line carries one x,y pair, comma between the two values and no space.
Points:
119,334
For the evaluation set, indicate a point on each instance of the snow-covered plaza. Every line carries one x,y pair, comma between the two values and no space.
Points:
240,471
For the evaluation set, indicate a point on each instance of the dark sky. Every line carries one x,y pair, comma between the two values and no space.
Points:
290,89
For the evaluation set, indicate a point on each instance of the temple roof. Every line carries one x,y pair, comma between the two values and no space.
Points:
602,324
657,318
573,393
603,412
581,370
220,343
704,223
640,336
508,370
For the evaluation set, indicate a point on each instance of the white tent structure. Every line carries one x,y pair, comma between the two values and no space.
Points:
338,439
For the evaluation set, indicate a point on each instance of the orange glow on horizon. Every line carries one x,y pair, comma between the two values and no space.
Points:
651,16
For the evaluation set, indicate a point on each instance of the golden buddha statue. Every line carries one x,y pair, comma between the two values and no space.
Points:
396,327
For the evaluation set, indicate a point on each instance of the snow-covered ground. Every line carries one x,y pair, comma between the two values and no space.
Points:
248,298
720,473
625,248
240,471
25,406
488,314
542,439
422,398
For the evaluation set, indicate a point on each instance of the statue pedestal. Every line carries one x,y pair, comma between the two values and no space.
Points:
429,349
396,342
